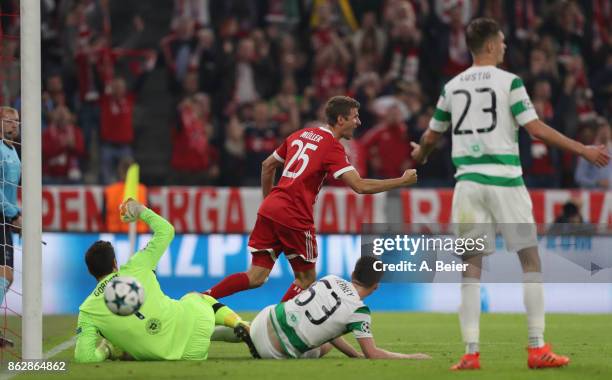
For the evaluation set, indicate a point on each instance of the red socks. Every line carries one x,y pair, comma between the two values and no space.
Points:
293,291
238,282
231,284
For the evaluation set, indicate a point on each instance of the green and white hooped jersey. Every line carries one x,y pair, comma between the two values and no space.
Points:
326,310
484,106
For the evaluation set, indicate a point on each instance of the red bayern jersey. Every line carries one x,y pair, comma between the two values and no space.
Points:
116,121
309,155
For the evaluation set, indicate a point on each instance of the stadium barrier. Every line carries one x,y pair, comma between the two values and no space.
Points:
338,210
206,209
427,206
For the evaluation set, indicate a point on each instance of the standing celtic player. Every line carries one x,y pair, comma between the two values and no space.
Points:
485,107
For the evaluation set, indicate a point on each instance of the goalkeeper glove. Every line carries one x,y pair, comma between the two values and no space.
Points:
107,350
130,210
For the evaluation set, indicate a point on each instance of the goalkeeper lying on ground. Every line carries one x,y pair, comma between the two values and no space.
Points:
163,328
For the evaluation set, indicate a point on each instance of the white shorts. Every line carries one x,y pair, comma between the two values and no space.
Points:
478,209
261,338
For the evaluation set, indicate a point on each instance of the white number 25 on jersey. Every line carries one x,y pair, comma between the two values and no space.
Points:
302,155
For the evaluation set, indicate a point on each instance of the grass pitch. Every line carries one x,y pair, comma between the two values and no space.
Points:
587,339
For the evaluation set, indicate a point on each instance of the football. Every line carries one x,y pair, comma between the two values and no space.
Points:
124,295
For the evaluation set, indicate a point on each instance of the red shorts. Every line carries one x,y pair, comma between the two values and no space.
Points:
270,238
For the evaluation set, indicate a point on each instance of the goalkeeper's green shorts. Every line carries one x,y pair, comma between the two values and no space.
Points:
199,343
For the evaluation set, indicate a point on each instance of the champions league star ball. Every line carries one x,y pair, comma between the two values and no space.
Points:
123,295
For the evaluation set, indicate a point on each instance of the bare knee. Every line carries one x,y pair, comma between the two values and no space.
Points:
530,260
257,276
306,278
7,272
474,268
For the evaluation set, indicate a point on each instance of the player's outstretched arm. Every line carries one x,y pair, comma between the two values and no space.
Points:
373,186
343,346
268,172
597,155
426,145
368,346
163,231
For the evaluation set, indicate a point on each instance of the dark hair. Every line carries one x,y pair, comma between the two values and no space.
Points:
100,258
478,33
339,106
364,272
570,210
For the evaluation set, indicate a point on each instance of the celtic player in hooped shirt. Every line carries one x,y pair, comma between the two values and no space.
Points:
308,325
484,107
163,328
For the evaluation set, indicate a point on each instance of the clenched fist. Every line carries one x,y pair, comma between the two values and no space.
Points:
410,177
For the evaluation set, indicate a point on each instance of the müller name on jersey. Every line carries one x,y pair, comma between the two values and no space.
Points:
311,136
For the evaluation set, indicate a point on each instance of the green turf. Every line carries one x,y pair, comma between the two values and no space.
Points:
587,339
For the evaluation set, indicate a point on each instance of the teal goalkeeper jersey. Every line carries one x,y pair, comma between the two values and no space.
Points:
163,327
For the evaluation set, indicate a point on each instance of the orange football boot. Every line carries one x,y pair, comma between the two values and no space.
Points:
468,361
543,357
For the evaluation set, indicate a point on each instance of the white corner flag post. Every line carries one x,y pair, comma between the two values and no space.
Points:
31,180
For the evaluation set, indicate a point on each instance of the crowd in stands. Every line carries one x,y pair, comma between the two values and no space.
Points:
242,75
